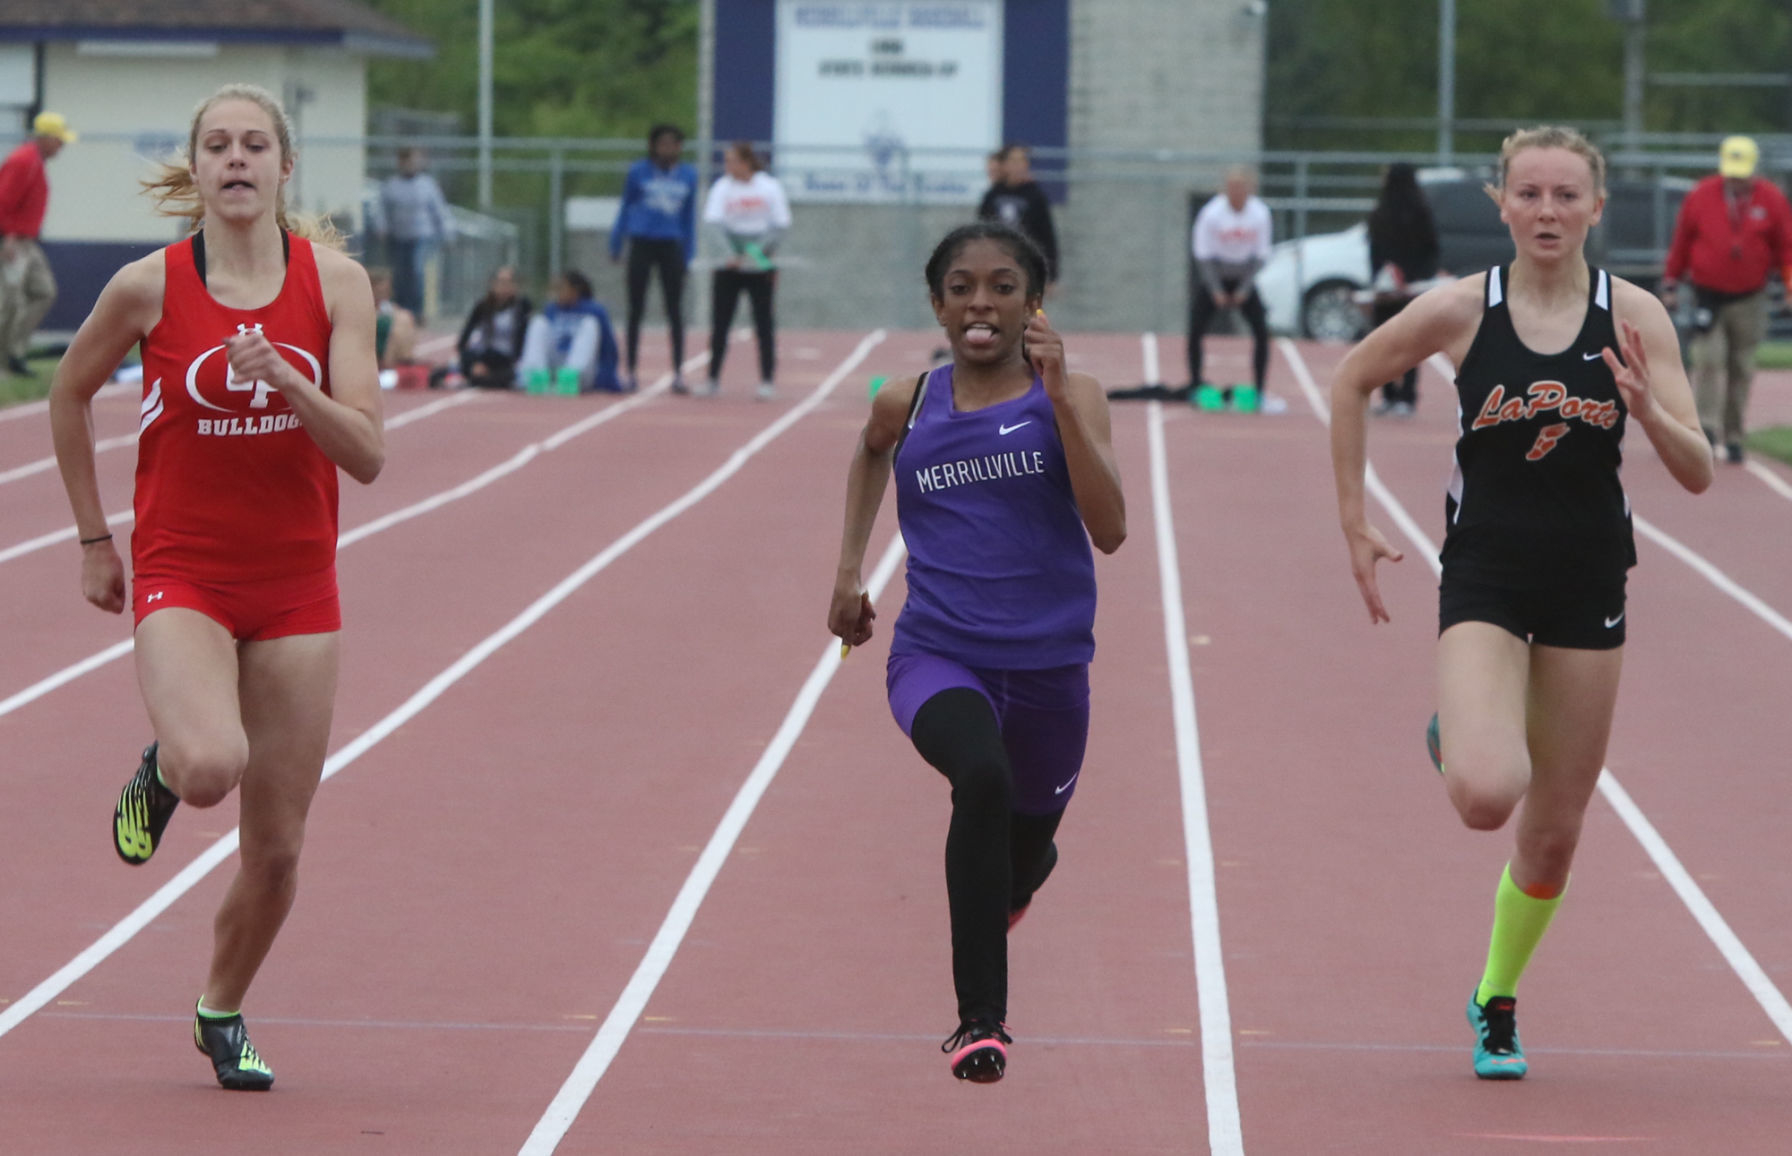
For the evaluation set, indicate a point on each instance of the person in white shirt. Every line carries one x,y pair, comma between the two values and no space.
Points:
750,212
1230,244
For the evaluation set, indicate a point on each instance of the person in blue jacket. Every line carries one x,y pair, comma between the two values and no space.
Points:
658,223
573,330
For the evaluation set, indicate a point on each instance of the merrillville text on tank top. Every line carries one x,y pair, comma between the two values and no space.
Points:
1001,572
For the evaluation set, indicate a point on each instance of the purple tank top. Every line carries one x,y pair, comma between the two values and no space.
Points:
1000,573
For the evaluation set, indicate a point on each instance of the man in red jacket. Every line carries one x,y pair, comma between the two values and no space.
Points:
26,286
1734,229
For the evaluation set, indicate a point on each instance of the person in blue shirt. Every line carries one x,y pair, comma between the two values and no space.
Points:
658,223
573,330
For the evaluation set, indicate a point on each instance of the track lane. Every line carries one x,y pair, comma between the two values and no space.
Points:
433,916
805,1013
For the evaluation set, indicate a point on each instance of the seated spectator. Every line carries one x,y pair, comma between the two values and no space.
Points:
394,336
491,341
572,330
395,327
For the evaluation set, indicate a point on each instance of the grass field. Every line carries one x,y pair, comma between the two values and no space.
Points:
1774,355
17,389
1774,442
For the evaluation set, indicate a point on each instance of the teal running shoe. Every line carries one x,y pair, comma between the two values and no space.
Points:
1209,398
1434,745
1498,1055
1244,397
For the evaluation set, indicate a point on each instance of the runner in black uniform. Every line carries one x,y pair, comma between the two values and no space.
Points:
1531,607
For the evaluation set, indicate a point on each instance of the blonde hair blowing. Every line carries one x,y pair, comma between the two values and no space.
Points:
1550,136
175,195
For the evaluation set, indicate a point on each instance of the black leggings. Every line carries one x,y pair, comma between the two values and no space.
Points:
729,284
645,254
995,858
1201,316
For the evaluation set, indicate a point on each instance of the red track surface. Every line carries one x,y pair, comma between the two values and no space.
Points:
480,886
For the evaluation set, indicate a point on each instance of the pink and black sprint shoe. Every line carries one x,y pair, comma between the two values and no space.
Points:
979,1051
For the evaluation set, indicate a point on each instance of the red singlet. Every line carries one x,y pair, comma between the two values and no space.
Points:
230,488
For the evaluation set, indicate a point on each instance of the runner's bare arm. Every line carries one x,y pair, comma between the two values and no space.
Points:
1441,320
849,610
345,423
1653,382
128,307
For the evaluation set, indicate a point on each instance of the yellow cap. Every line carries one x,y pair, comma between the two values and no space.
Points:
52,124
1736,157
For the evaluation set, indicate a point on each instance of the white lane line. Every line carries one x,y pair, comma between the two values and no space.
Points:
42,405
1704,912
567,1103
461,397
1771,477
122,932
435,501
1713,575
67,533
1148,349
49,463
1225,1129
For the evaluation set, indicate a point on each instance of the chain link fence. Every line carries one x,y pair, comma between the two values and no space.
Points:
1123,218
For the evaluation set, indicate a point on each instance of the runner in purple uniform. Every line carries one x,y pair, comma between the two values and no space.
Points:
1005,473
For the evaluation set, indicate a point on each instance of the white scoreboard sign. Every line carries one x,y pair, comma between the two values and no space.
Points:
887,102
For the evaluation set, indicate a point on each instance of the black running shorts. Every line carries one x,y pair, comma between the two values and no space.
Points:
1573,617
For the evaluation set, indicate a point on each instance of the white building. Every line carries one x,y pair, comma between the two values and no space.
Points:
127,74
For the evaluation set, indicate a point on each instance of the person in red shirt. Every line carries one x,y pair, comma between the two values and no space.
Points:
27,288
259,383
1734,229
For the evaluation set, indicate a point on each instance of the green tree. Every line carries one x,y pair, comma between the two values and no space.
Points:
572,68
1517,61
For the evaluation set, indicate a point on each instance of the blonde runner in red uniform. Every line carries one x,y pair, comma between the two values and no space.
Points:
260,381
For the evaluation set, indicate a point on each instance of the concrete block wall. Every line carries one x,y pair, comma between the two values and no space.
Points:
1184,76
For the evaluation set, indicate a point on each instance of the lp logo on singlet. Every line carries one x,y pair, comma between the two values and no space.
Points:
226,390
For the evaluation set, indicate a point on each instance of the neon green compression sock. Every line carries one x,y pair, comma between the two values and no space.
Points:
1519,921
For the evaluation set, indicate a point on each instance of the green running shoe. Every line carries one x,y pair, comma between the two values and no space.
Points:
1208,398
234,1058
142,813
1434,746
1498,1055
1244,397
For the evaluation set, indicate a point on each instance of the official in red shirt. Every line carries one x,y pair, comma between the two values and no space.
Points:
26,286
1734,229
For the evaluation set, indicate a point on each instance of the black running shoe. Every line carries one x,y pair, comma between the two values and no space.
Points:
978,1050
234,1058
142,813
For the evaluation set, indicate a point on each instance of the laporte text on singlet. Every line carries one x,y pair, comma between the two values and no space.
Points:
248,426
988,468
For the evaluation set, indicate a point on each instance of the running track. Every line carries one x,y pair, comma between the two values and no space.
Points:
649,870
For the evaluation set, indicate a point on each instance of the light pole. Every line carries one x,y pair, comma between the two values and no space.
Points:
1632,15
485,106
1446,81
